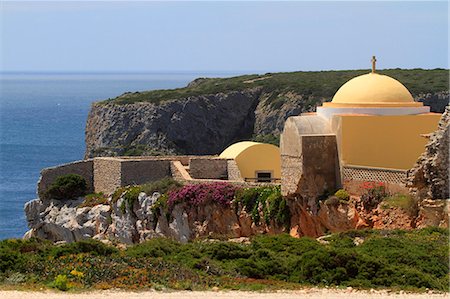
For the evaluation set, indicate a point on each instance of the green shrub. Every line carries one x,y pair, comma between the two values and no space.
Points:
278,210
160,206
247,197
373,194
227,251
268,199
342,195
117,194
90,246
157,247
162,186
9,260
61,283
129,194
94,199
69,186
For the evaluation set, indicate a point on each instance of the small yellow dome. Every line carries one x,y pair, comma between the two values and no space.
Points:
372,90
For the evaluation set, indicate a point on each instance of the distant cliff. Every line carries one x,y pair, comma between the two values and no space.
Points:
209,114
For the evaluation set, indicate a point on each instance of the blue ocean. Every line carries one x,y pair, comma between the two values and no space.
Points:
42,123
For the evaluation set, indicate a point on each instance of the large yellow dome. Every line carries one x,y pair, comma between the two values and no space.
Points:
372,90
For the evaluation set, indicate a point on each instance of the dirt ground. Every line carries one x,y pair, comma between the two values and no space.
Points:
307,293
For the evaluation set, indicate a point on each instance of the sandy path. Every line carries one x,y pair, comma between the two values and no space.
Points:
310,293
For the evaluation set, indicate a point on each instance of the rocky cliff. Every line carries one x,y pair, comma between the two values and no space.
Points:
429,179
210,114
69,221
196,125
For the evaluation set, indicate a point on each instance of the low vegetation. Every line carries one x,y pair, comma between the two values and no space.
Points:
316,85
130,194
221,193
373,194
94,199
267,138
266,202
402,201
411,260
69,186
342,194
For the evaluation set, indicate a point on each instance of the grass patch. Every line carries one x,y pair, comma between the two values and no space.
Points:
402,201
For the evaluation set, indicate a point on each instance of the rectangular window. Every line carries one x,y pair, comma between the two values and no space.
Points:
263,176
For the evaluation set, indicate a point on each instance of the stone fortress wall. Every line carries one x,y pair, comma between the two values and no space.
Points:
106,174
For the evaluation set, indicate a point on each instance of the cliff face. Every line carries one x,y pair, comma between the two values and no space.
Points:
195,125
210,114
204,124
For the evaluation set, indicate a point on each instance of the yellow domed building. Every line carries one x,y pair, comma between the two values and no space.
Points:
372,130
258,162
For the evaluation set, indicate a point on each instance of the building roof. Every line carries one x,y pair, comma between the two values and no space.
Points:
372,90
235,149
238,148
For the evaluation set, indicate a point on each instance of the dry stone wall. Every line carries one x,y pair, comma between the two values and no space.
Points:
234,174
143,171
208,168
107,174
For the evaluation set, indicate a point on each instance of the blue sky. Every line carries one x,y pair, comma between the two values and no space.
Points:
221,36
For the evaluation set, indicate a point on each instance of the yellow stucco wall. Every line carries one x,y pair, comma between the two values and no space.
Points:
254,156
383,141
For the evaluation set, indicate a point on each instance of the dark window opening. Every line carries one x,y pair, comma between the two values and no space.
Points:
264,176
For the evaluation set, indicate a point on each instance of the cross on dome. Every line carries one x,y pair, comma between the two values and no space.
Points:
374,61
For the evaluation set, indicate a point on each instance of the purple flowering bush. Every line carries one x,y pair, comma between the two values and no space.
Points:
198,194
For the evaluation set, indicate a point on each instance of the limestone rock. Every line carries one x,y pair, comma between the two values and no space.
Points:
61,220
392,218
429,178
433,213
65,221
338,217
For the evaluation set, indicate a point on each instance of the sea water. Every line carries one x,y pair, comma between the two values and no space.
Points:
42,123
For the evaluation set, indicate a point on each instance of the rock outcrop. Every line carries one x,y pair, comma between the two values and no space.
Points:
429,178
66,221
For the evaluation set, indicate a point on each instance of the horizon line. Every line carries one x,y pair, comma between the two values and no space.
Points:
25,72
